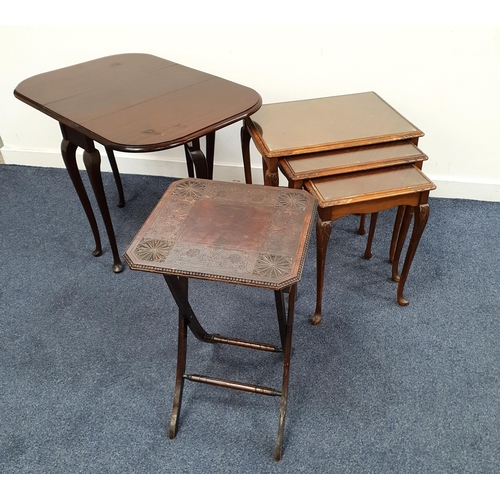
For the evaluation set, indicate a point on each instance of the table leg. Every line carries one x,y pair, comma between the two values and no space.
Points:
361,229
197,158
395,232
278,450
210,145
269,165
270,168
419,223
176,287
116,175
399,215
279,296
323,231
181,299
92,161
68,151
179,288
181,364
189,161
245,150
401,238
371,232
203,165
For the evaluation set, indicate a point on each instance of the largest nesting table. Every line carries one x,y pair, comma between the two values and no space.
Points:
231,233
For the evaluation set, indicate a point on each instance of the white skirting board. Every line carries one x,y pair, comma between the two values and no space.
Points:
151,164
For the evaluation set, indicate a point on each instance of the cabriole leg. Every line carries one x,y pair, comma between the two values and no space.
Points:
116,175
270,167
245,150
395,233
403,231
195,156
361,228
323,231
92,160
371,232
420,221
68,151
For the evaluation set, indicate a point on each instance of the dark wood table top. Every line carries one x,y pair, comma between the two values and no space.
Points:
325,124
138,102
226,231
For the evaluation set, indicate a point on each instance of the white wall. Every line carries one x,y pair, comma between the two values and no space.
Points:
445,79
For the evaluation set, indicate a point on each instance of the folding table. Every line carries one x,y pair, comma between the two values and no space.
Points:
232,233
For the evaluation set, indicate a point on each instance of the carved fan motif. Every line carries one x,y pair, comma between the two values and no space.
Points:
189,189
272,266
292,200
153,250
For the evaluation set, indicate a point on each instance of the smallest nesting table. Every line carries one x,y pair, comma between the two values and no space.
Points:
233,233
371,192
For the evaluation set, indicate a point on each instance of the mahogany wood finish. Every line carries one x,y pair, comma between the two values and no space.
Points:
371,192
233,233
134,103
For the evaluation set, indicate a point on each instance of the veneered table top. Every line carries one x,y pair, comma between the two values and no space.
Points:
363,186
226,231
341,161
328,123
138,102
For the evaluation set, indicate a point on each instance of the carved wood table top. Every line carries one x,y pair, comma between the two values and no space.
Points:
224,231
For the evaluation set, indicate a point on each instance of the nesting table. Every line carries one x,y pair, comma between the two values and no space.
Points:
232,233
134,103
372,192
354,153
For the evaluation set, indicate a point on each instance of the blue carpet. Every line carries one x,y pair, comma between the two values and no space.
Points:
87,357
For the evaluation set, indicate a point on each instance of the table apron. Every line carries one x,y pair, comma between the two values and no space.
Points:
78,138
367,207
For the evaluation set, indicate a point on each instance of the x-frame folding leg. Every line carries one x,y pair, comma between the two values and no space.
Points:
179,288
